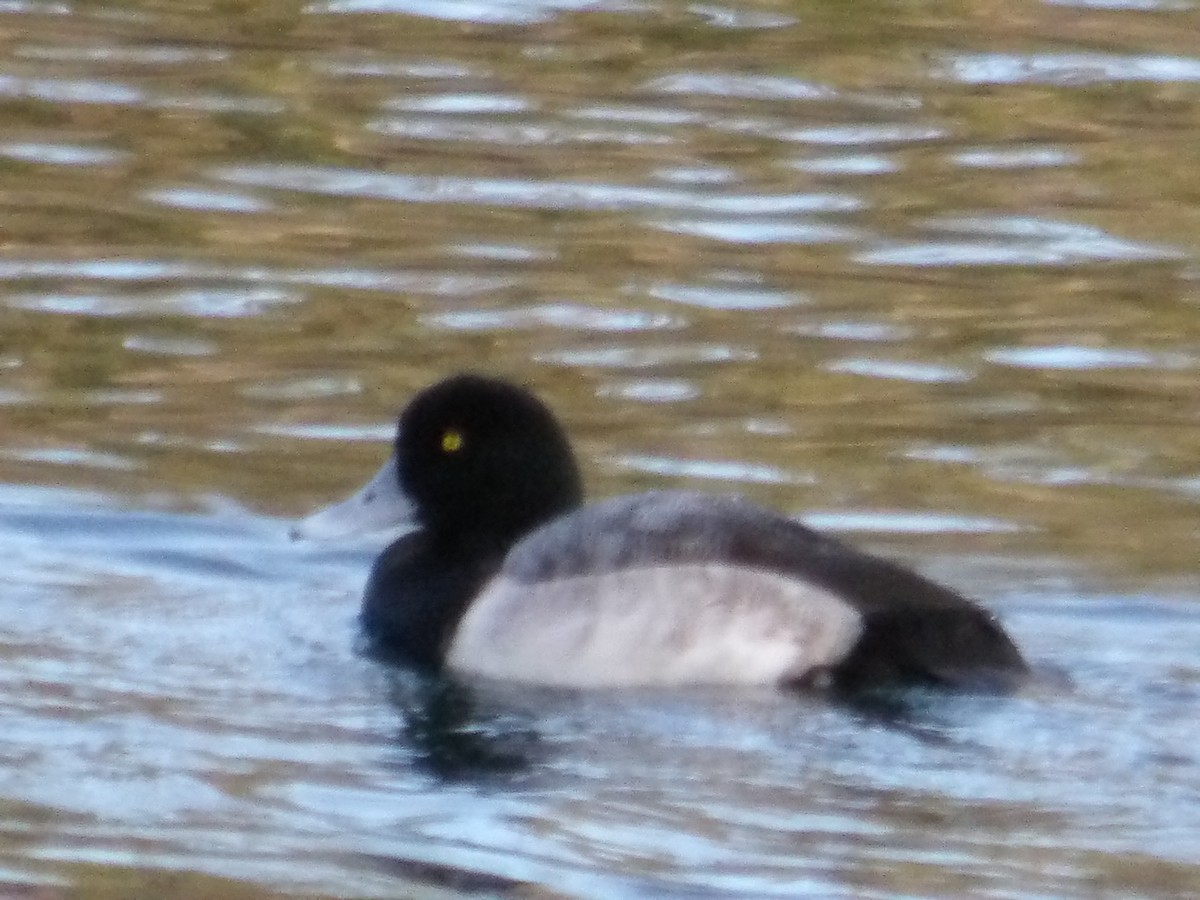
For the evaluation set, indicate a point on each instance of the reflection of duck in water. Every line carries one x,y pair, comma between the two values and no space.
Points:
509,575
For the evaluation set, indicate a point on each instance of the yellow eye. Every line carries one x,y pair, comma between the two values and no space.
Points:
452,441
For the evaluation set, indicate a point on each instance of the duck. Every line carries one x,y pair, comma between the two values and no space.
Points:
505,573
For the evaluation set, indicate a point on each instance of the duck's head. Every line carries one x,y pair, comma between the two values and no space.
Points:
473,456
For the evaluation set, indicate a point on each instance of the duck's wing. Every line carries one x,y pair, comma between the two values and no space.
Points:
678,587
915,630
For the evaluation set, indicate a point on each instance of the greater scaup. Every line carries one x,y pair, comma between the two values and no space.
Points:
508,575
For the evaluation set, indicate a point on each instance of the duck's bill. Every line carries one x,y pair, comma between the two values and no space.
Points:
378,505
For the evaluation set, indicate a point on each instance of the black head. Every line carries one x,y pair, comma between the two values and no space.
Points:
480,456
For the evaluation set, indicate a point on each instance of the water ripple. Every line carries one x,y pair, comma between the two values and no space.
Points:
149,55
558,315
545,194
725,296
203,198
94,91
738,18
710,469
62,154
749,87
750,231
856,164
645,356
909,522
495,12
149,270
1014,240
1082,358
1015,157
902,370
517,134
214,302
461,104
1079,69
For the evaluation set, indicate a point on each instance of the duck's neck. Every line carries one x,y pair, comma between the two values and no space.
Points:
419,589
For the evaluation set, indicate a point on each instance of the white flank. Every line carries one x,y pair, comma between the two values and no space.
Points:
669,625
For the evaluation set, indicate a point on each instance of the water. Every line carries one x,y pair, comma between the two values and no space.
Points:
925,275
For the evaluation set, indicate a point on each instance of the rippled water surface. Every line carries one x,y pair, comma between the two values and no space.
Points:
925,274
